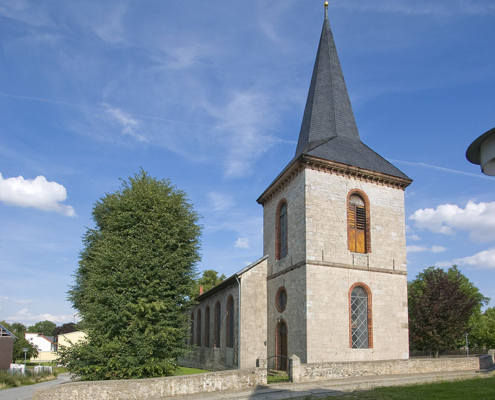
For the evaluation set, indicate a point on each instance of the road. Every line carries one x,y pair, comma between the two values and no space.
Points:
26,392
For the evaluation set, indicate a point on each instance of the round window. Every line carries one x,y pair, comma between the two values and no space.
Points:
281,299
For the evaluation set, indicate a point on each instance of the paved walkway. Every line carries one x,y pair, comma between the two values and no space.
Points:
26,392
332,387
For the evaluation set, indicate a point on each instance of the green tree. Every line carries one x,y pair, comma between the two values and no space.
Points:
441,305
209,279
132,287
482,330
20,343
65,328
44,327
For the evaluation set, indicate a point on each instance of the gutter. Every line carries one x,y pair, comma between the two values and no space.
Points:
239,326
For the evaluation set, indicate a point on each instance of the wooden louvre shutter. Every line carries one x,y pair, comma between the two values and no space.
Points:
356,225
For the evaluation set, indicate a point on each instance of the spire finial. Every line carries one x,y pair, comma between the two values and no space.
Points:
326,9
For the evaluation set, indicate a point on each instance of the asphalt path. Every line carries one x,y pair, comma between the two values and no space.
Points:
26,392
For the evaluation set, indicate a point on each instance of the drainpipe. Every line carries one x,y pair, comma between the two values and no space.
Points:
239,327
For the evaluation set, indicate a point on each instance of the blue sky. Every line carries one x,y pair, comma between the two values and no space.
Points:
210,94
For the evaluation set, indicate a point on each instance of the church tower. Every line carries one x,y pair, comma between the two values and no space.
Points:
334,232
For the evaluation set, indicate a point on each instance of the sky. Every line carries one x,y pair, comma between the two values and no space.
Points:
210,94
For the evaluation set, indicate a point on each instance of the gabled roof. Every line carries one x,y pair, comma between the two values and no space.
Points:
329,130
4,332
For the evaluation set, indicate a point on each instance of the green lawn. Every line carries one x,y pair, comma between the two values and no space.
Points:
189,371
477,388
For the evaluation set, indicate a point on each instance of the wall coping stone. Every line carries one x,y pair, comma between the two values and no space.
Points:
153,388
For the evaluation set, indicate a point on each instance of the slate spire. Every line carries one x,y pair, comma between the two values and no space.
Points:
329,130
328,110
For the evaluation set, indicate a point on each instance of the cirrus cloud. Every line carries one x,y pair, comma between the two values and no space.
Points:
37,193
476,218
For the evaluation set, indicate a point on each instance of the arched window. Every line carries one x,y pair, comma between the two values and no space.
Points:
358,230
218,325
207,326
198,329
192,329
281,231
230,322
361,329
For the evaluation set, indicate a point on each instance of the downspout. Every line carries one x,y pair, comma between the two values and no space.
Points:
239,327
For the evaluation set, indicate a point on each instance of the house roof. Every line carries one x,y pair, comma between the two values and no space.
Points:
329,130
4,332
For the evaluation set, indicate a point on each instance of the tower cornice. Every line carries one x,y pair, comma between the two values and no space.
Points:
329,167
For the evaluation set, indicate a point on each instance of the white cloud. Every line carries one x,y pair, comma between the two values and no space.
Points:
23,301
246,116
219,201
477,219
25,316
414,249
37,193
414,237
437,249
417,249
482,260
242,243
130,125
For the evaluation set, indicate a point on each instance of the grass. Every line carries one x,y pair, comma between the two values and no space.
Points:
477,388
277,378
190,371
7,380
54,365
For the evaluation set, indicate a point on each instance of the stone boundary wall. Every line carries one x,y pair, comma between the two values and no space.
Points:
486,362
324,371
154,388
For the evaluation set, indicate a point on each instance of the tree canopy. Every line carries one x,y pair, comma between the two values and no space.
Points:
482,329
65,328
44,327
441,305
209,279
132,287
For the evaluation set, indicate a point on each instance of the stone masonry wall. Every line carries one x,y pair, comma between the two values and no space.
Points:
144,389
324,371
253,314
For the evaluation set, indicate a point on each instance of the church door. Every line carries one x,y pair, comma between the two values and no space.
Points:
282,346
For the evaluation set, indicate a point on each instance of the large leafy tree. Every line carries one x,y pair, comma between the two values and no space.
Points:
44,327
65,328
132,287
441,305
209,279
482,330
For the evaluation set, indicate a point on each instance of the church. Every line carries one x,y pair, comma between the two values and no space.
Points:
332,283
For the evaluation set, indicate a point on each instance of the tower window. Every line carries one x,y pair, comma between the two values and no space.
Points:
360,317
358,230
281,231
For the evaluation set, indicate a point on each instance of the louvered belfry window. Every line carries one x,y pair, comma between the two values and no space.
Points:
356,219
282,232
359,318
